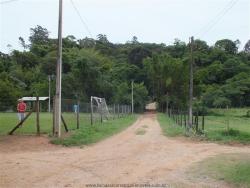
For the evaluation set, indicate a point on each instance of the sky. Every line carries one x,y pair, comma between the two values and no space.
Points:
156,21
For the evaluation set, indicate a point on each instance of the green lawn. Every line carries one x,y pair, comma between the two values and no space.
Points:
9,120
231,168
169,127
91,134
226,126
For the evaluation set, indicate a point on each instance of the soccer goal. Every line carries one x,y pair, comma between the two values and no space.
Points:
99,109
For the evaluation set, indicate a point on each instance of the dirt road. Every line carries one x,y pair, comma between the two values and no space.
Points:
133,156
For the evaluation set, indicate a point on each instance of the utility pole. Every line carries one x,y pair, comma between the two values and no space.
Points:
49,92
190,109
57,105
132,97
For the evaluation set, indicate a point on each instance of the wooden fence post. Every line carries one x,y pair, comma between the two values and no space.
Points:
196,123
185,120
101,114
37,116
181,118
203,122
114,111
118,112
77,115
91,107
53,126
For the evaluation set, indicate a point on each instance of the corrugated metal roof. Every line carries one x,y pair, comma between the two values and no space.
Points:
34,98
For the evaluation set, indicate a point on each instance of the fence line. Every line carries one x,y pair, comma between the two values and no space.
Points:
180,118
75,114
93,114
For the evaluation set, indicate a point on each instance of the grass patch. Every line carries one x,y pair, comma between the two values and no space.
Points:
140,132
231,168
169,127
229,127
145,126
9,120
228,137
224,126
92,134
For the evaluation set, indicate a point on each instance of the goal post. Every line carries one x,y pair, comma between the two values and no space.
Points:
98,105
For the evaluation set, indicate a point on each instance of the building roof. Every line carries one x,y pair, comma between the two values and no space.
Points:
34,98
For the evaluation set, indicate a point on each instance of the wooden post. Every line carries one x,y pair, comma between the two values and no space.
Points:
114,111
77,115
203,122
101,113
122,110
58,96
177,117
197,119
91,115
167,110
53,126
132,96
37,116
196,123
64,123
118,113
181,118
185,120
20,123
190,107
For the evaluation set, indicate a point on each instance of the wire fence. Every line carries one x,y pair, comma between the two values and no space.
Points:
82,112
75,114
181,118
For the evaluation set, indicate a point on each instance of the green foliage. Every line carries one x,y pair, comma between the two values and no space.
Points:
123,95
199,108
39,35
8,93
140,96
101,68
227,46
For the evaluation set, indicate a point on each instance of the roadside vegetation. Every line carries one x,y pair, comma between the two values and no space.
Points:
233,169
169,127
221,125
93,133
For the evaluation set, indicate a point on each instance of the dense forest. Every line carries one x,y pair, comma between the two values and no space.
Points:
97,67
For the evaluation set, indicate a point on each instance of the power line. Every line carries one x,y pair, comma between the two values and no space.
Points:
7,1
81,19
214,19
217,18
